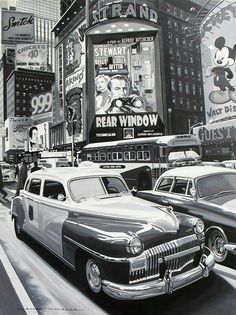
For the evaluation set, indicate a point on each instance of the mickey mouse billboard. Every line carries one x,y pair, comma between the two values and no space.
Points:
218,47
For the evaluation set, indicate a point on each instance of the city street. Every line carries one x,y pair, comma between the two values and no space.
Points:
51,287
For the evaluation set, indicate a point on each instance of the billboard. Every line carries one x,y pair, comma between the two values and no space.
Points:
17,132
17,27
126,89
32,56
74,47
38,137
218,49
41,107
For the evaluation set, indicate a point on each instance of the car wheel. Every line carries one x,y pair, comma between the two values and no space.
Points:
18,231
216,241
93,276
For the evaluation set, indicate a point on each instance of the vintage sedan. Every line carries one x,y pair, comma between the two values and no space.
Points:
206,192
127,247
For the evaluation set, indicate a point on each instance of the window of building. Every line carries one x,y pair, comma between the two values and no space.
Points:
179,70
187,88
188,103
192,74
173,85
177,40
172,68
180,87
181,102
194,89
178,55
186,72
171,53
185,57
191,59
174,100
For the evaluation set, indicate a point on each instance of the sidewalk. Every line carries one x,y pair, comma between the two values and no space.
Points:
9,302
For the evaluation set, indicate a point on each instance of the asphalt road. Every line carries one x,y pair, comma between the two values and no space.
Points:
53,289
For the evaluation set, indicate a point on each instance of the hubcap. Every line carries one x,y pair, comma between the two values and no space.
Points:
216,244
93,276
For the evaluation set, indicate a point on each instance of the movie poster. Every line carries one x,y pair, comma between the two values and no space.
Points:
126,89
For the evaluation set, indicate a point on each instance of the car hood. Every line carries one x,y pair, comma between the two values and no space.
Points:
132,210
226,201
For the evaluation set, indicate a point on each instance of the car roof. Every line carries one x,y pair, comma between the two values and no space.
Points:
67,173
196,171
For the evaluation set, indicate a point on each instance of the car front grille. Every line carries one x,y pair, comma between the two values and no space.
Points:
173,256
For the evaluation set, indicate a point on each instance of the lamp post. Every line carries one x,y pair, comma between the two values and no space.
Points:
169,120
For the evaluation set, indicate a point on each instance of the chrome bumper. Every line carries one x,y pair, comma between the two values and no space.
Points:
161,286
231,248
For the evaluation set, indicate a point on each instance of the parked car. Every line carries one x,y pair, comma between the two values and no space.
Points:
127,247
206,192
8,172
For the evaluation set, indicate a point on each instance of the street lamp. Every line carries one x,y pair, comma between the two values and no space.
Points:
200,123
169,120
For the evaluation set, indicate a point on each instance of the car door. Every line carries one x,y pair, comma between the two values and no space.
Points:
53,213
179,196
31,201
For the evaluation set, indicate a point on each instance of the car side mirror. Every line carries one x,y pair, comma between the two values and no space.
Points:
134,191
61,197
193,193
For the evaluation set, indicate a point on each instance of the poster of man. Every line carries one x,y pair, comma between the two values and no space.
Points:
114,96
33,139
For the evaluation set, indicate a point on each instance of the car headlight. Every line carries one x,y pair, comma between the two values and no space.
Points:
134,246
198,226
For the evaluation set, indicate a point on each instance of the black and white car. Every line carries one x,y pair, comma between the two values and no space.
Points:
206,192
127,247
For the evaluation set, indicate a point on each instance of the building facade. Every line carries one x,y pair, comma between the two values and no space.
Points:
218,54
143,46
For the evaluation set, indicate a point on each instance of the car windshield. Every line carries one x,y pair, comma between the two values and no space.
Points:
215,184
96,186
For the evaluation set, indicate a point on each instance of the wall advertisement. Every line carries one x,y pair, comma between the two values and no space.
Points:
32,56
41,107
17,27
74,48
126,89
17,132
218,48
38,137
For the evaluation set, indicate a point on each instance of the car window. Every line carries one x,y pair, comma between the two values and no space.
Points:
165,184
34,186
52,189
180,186
113,185
27,185
86,187
190,185
216,183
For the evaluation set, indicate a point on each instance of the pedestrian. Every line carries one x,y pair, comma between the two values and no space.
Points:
23,173
35,167
1,185
16,172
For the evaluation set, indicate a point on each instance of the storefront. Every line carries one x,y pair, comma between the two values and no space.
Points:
218,140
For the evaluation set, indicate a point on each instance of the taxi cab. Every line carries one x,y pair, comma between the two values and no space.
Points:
116,243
